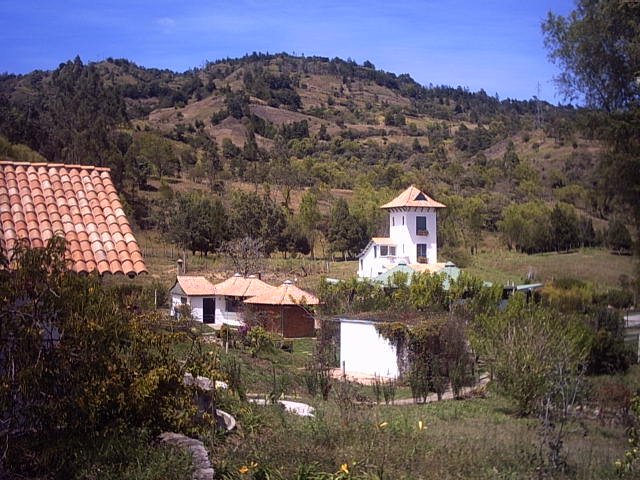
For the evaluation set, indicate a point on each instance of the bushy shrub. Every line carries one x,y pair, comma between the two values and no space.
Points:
75,364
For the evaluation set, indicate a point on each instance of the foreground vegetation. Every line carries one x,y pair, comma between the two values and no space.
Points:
122,366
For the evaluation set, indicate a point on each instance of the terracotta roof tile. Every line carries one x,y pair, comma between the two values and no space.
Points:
195,285
38,201
285,294
239,286
412,197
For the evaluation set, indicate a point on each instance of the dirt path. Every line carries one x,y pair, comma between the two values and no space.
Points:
366,379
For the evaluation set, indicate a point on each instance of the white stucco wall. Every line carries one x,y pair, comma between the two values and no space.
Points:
404,235
372,265
197,310
224,317
363,350
175,303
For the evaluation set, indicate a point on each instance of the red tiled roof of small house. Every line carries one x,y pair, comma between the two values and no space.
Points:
41,200
239,286
195,285
285,294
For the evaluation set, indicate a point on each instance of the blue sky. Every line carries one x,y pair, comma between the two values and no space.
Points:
496,45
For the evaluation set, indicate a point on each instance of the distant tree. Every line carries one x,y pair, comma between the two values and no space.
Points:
526,227
199,223
346,235
394,118
237,104
290,131
510,158
256,217
309,218
292,239
229,149
246,254
474,215
618,236
250,151
322,133
564,227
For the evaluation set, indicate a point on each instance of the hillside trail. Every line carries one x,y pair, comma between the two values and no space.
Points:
447,395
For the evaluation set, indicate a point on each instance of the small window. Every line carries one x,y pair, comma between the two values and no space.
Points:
403,219
421,252
421,226
375,251
183,300
360,264
393,221
233,304
387,251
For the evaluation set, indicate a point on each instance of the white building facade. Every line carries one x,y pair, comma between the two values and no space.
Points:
198,293
412,236
364,351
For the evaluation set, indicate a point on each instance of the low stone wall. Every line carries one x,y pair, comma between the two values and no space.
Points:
202,466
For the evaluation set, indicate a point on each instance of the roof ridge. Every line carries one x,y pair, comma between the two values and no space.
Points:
55,165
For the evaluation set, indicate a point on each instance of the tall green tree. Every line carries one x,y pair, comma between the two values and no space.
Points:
257,217
309,218
346,235
597,47
198,223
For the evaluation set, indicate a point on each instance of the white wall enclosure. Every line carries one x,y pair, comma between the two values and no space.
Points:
363,350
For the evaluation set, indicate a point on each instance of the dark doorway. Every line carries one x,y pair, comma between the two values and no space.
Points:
208,310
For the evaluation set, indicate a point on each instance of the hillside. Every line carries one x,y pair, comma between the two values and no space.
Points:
280,125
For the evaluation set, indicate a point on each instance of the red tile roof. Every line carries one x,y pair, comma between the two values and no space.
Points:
40,200
194,285
239,286
412,197
285,294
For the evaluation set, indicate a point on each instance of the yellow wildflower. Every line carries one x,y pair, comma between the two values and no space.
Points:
383,424
344,468
420,425
243,469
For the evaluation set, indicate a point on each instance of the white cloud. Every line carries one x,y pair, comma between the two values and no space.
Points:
165,23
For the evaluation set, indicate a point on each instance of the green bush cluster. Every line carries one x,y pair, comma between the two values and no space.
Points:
76,365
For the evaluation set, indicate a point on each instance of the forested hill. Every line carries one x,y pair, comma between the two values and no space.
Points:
294,122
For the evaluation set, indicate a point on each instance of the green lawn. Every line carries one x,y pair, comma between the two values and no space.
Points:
591,264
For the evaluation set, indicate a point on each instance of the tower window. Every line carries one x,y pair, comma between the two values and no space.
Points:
421,226
421,252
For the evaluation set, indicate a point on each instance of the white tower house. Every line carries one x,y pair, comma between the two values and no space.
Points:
412,235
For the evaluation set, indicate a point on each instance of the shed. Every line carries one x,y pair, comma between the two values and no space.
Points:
198,293
364,352
230,294
285,310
